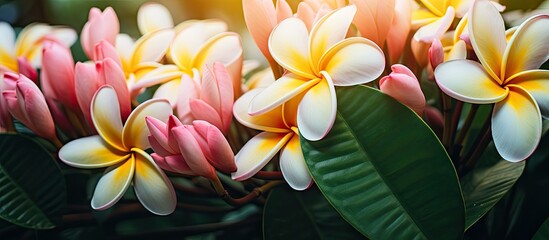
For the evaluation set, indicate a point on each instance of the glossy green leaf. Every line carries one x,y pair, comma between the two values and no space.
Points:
543,231
291,214
489,181
385,171
32,187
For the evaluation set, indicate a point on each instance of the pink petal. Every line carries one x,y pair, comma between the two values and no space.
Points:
399,30
159,131
203,111
222,156
36,109
110,73
105,50
188,89
191,152
58,65
402,85
374,18
86,83
179,165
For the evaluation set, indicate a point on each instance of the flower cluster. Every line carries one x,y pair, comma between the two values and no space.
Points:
197,80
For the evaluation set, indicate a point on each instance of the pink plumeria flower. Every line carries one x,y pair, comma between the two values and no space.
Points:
280,134
57,75
403,85
195,150
508,75
210,98
27,104
28,44
317,61
121,147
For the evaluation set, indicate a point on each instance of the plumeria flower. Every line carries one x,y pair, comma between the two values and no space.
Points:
28,45
57,75
435,9
403,85
317,61
197,43
101,26
507,75
26,103
195,150
280,134
210,98
121,147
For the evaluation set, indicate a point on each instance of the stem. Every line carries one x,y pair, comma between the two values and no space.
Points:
446,111
254,194
201,208
458,143
267,175
481,142
195,191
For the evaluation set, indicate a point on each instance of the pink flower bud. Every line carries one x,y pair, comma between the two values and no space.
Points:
216,149
27,69
57,74
436,53
192,153
100,26
403,85
27,104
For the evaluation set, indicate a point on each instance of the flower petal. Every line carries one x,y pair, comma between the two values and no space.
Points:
317,111
187,90
536,83
169,91
152,187
90,152
217,92
516,125
487,33
192,153
86,83
289,46
260,17
528,48
159,131
110,73
270,121
347,65
186,44
152,17
257,152
374,18
135,130
225,48
396,40
329,30
179,165
105,113
202,111
468,81
152,47
282,90
218,151
113,184
293,167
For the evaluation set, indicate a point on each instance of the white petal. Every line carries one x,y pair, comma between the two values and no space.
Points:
270,121
90,152
516,125
152,187
135,130
293,166
467,81
152,17
113,184
317,111
106,117
257,152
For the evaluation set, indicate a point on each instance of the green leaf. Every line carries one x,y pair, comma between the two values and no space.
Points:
489,181
543,231
385,171
290,214
32,187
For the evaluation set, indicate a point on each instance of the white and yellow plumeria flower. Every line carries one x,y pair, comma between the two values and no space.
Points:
317,61
435,9
508,76
121,148
280,133
29,43
197,43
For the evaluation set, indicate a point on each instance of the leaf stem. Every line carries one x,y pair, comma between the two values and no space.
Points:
446,111
254,194
458,143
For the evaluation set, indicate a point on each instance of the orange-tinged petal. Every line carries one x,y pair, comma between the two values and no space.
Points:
353,61
257,152
399,29
152,47
516,125
528,48
105,113
135,130
152,17
91,152
317,111
293,166
306,14
282,90
152,187
260,17
487,33
329,30
536,83
270,121
468,81
289,46
374,18
113,184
